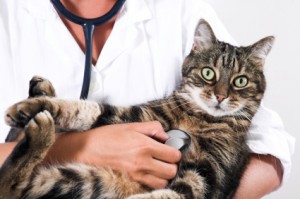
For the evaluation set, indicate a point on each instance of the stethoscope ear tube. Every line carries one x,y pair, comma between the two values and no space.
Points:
88,26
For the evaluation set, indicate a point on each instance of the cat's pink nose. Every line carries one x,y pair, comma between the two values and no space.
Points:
220,98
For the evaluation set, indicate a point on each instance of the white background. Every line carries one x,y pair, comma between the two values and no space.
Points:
248,21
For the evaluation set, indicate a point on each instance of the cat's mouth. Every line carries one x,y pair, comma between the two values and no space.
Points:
218,107
216,110
221,109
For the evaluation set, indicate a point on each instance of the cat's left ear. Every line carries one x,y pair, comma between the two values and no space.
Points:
260,50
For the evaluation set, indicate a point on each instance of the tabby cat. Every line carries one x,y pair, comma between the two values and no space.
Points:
221,89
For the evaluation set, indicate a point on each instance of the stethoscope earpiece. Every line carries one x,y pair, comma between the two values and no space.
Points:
88,26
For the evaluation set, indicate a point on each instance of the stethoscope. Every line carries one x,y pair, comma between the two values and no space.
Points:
177,138
88,26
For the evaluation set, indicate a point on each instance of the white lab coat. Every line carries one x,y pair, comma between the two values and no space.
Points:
140,61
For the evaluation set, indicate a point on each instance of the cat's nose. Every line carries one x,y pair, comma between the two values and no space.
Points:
220,98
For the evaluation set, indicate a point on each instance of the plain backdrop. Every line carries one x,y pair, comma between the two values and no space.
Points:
248,21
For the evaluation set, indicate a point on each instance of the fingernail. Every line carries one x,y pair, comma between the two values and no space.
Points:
165,136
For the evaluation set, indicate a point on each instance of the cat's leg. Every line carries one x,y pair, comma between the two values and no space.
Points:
16,171
68,114
38,86
190,186
82,115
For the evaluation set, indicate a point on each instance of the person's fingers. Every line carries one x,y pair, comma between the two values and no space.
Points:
165,153
161,169
153,181
152,129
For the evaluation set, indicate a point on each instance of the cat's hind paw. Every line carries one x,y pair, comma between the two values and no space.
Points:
158,194
39,86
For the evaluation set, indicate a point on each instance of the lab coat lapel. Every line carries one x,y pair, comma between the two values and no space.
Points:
44,10
39,9
125,32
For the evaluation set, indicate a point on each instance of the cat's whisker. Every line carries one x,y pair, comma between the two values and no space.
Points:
236,117
249,134
250,109
163,102
172,99
181,105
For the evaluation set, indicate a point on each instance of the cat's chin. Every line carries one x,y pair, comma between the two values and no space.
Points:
217,111
214,110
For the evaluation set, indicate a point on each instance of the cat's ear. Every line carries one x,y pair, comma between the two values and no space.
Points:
204,37
260,50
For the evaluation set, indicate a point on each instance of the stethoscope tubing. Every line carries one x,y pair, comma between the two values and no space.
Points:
88,25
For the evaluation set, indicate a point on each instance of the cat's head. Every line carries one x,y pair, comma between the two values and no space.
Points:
223,79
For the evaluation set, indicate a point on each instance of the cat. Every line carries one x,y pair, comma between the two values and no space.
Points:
221,89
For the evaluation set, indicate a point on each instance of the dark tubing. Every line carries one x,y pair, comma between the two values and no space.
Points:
88,26
80,20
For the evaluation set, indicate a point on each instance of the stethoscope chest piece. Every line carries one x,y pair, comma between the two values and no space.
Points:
178,139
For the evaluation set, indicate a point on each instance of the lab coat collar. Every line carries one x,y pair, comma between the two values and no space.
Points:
124,32
41,9
137,10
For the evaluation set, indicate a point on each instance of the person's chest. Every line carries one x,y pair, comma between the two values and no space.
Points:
135,65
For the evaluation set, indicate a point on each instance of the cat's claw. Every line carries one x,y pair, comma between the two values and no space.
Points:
19,114
16,117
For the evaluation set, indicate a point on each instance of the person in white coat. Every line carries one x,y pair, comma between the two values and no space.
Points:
137,57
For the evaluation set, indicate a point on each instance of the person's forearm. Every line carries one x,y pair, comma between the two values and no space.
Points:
65,149
262,176
5,150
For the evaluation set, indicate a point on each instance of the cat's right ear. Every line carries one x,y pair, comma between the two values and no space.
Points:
204,37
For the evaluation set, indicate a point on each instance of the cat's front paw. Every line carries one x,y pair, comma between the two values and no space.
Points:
19,114
40,86
41,131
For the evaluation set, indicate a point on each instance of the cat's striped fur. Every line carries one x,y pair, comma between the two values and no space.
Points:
215,112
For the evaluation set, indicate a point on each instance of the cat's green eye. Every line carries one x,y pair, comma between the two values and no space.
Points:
208,74
240,82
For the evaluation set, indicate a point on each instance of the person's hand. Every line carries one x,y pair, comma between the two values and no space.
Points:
130,148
